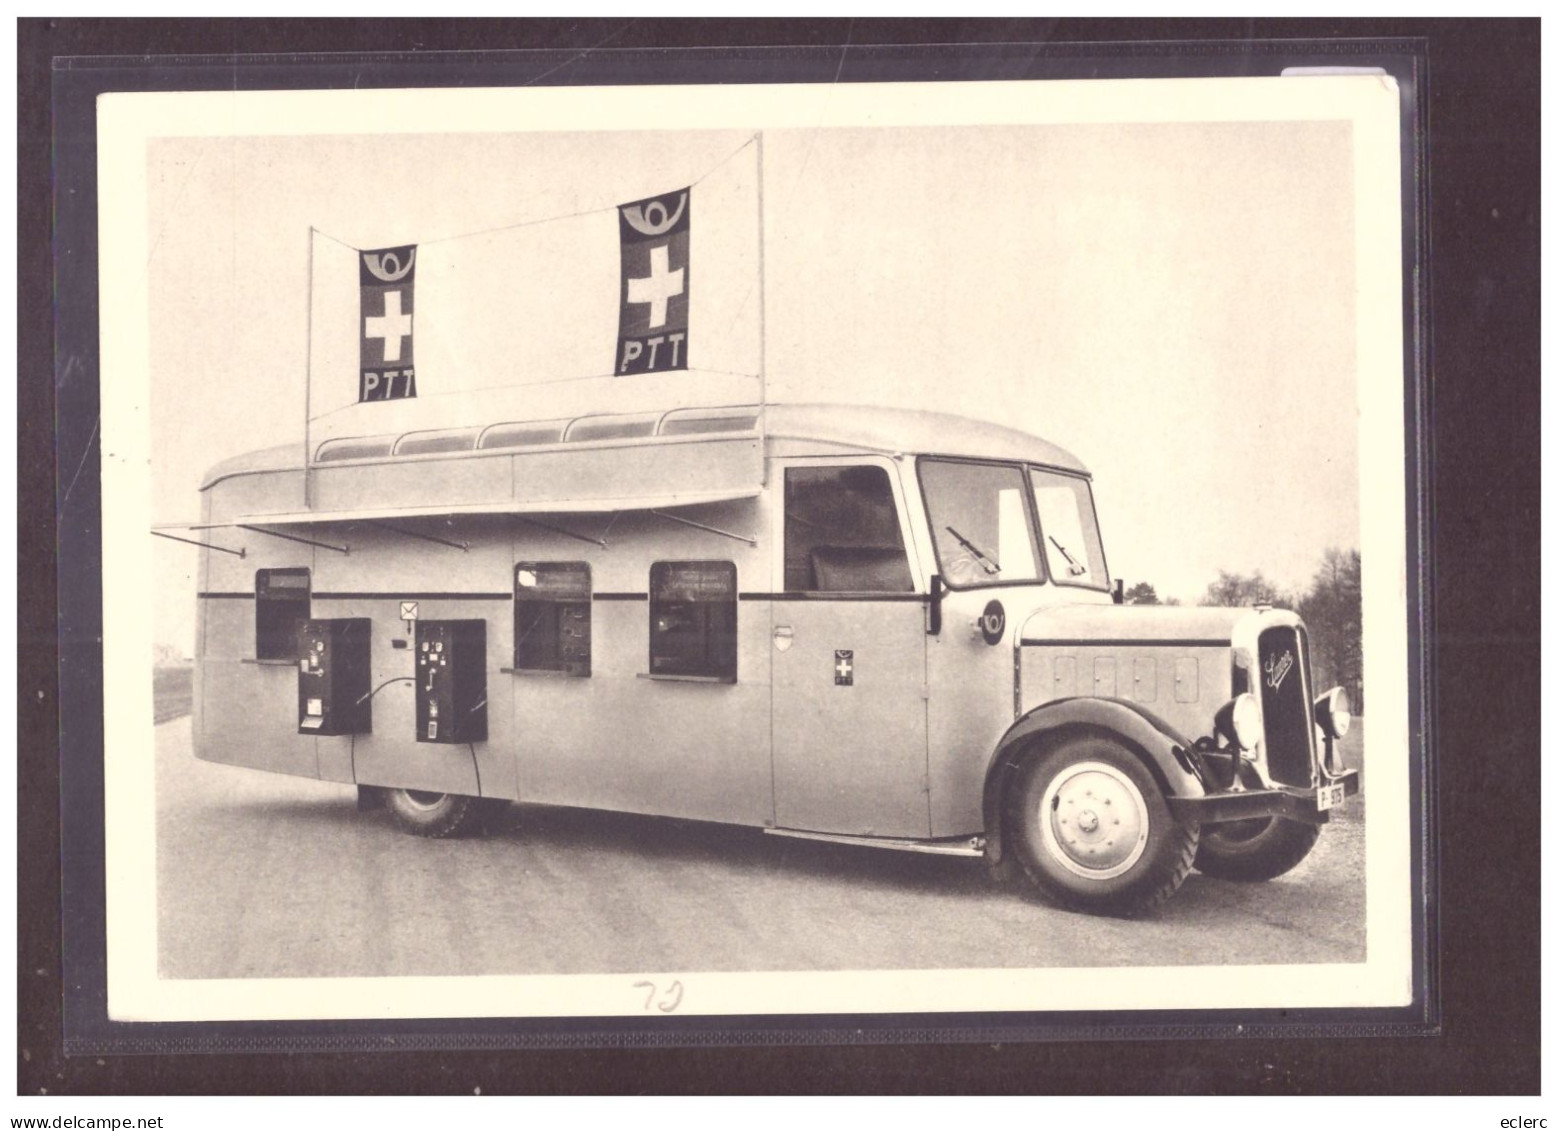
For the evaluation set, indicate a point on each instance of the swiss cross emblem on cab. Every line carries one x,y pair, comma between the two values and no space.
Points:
843,667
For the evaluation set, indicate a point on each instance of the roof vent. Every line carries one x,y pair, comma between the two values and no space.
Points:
426,443
524,435
610,428
360,447
689,424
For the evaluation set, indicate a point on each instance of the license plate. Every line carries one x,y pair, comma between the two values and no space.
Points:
1330,797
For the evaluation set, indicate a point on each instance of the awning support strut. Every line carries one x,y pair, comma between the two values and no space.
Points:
701,526
295,538
560,530
418,534
240,552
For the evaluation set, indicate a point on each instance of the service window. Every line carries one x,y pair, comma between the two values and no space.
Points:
281,605
552,617
1072,548
692,620
841,532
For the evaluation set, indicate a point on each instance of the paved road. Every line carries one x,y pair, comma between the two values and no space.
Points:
267,876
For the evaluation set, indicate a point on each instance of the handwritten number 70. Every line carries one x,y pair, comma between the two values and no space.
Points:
668,1001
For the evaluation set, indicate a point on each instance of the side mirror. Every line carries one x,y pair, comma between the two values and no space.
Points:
933,610
1119,591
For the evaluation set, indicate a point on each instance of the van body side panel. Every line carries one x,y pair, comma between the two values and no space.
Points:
247,710
251,718
383,568
617,740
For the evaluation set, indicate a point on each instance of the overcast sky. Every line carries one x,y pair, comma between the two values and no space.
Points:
1174,302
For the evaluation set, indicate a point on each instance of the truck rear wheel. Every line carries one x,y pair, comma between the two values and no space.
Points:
440,814
1091,829
1261,848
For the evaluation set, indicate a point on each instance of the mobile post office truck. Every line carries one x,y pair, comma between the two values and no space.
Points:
870,626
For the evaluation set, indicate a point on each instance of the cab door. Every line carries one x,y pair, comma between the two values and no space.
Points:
849,711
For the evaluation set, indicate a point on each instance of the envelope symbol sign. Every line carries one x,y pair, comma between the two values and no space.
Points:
408,610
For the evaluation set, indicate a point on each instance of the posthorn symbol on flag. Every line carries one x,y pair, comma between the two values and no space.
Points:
387,277
652,327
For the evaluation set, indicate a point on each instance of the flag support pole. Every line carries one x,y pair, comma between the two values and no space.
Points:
762,311
308,385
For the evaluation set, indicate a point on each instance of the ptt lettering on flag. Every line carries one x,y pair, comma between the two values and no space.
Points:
652,329
387,372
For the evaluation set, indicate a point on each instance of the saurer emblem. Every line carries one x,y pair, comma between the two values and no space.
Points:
1277,669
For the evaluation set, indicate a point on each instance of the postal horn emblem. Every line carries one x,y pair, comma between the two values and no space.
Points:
654,218
992,623
386,265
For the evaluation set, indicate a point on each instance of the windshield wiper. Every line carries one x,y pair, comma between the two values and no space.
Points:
1073,567
990,564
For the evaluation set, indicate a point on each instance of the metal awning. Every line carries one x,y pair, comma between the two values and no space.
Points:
386,513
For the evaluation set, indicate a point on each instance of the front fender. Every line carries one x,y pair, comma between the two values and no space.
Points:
1165,751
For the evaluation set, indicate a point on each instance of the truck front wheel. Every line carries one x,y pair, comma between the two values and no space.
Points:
439,814
1091,829
1261,848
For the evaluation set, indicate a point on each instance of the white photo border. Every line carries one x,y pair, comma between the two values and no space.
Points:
127,122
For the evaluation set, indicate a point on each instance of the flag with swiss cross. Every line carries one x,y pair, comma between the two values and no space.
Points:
386,372
652,327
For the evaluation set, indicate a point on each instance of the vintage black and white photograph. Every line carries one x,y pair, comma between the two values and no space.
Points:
779,549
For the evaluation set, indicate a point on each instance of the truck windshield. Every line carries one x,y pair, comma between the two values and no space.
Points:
1072,549
979,518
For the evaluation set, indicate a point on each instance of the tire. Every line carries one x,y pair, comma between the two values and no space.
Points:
440,814
1071,846
1261,848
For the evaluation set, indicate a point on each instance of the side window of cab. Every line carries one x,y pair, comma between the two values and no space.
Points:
841,532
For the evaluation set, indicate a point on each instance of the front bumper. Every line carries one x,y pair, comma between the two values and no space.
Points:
1242,804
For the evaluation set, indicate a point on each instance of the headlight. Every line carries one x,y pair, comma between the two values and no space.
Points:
1239,721
1333,711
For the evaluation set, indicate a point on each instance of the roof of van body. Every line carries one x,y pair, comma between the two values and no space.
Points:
599,463
868,428
911,432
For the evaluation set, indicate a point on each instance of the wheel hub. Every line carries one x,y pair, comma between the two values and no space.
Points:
1094,820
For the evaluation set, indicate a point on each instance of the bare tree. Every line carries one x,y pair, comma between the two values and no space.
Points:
1333,610
1234,589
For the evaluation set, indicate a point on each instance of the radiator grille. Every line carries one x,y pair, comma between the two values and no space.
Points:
1284,693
